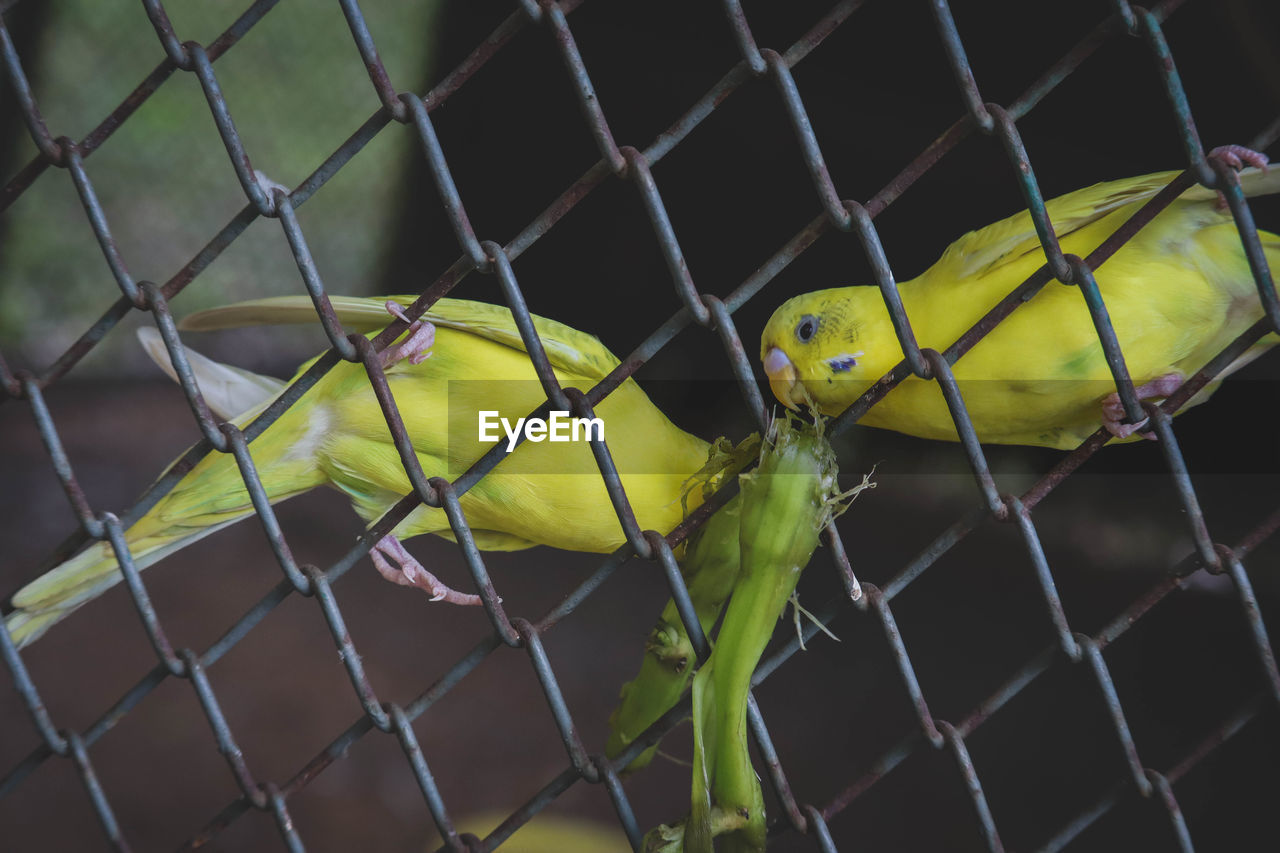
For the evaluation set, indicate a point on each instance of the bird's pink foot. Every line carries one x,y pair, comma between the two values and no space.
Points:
1113,413
1237,157
412,573
416,347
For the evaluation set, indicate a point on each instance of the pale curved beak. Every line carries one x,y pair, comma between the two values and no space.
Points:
782,377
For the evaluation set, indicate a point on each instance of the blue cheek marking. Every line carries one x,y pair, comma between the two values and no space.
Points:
842,365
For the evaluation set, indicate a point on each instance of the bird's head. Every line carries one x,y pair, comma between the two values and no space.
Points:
815,350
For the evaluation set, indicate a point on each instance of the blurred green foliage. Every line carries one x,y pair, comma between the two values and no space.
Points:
296,89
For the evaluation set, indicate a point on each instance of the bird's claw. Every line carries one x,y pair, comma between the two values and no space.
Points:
416,346
413,573
1113,413
1238,156
1115,423
268,186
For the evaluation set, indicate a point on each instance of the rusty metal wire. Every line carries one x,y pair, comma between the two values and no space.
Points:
622,163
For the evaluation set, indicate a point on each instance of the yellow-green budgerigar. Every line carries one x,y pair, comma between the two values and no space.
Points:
1177,293
460,359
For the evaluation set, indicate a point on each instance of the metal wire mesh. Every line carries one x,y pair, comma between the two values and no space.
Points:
698,312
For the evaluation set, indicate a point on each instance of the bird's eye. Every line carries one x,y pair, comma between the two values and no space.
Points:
807,328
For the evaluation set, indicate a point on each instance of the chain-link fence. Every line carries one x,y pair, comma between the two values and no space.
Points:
1053,739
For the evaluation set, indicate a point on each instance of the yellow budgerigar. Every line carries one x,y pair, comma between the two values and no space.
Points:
1177,293
461,360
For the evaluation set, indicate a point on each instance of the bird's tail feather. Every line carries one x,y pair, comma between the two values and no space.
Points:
211,496
54,595
228,391
1256,182
1253,182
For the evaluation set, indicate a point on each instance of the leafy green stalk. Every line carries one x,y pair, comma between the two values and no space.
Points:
710,569
786,502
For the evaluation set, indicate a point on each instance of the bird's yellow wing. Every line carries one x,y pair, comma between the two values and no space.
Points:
979,252
568,349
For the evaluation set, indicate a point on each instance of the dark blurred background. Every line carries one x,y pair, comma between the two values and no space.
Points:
877,91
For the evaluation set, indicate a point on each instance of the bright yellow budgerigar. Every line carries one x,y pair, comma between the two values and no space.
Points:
461,359
1177,293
